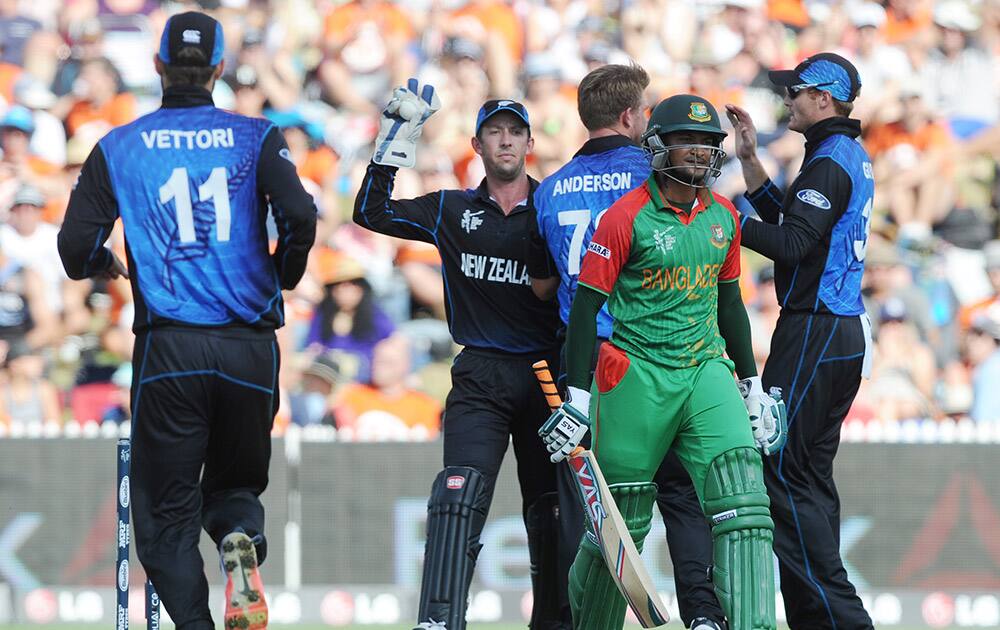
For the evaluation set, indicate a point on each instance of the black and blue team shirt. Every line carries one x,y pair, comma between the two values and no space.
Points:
817,231
192,184
488,296
571,202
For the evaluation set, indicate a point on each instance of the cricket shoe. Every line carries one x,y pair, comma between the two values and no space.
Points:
431,625
245,605
704,623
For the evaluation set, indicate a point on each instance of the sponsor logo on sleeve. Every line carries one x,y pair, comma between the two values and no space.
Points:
599,249
813,198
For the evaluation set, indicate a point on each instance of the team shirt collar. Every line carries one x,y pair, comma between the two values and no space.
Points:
604,144
703,199
483,194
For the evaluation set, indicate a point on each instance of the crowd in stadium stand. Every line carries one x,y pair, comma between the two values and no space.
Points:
366,349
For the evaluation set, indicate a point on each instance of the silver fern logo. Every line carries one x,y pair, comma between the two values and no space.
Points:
664,240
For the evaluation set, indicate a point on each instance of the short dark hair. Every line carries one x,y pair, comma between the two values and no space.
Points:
608,91
198,75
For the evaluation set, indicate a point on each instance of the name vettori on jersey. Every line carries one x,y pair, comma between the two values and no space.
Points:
188,139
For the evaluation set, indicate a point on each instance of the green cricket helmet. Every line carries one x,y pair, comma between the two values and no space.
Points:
685,112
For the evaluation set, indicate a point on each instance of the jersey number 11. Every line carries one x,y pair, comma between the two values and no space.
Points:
216,188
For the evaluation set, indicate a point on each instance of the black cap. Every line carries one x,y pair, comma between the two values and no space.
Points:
828,72
491,108
192,29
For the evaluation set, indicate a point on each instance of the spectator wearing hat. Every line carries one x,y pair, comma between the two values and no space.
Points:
249,98
18,165
313,402
878,62
983,352
347,317
49,138
816,233
386,406
29,240
273,72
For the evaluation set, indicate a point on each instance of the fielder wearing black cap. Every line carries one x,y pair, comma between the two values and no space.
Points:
190,182
192,30
816,232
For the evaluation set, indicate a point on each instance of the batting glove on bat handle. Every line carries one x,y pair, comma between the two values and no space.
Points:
402,122
766,415
567,425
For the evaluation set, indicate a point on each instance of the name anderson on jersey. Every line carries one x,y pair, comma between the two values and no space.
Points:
593,183
188,139
494,269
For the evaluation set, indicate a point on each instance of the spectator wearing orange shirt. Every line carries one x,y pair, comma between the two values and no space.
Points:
906,18
917,196
365,44
97,98
387,408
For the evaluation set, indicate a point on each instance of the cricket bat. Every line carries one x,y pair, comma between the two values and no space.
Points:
608,526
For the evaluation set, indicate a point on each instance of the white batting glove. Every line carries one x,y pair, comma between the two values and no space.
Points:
767,415
402,121
567,425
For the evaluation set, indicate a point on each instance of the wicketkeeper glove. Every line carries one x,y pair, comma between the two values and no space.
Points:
567,425
402,121
768,417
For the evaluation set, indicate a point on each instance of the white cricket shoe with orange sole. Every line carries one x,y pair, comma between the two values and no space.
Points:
245,605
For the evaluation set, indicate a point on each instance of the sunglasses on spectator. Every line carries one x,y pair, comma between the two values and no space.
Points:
795,90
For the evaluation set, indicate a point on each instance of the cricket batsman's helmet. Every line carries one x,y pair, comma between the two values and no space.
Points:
685,112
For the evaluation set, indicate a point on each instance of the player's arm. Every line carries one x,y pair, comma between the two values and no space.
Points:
541,267
762,194
734,326
90,216
414,219
396,146
581,335
821,194
293,208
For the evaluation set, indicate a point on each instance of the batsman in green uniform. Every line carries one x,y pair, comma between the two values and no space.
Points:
665,257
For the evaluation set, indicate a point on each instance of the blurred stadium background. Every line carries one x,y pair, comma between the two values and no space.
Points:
356,437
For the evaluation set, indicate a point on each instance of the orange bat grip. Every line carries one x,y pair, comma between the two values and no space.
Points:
551,393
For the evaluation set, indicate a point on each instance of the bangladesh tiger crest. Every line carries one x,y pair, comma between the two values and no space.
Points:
719,236
699,112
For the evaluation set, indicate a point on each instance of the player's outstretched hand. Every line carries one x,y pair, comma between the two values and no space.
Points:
402,121
768,417
567,425
746,132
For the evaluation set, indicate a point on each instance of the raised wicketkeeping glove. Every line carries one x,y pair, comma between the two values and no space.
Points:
402,121
768,418
567,425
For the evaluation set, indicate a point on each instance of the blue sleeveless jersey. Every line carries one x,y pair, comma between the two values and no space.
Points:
840,283
570,204
186,184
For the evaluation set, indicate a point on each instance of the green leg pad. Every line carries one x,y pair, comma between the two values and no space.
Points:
742,533
593,595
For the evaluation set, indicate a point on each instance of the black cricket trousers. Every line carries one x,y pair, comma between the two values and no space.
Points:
817,361
203,403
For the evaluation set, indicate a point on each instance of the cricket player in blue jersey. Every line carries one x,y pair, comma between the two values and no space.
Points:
816,232
193,185
570,204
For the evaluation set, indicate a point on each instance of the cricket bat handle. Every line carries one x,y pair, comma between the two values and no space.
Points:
548,386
